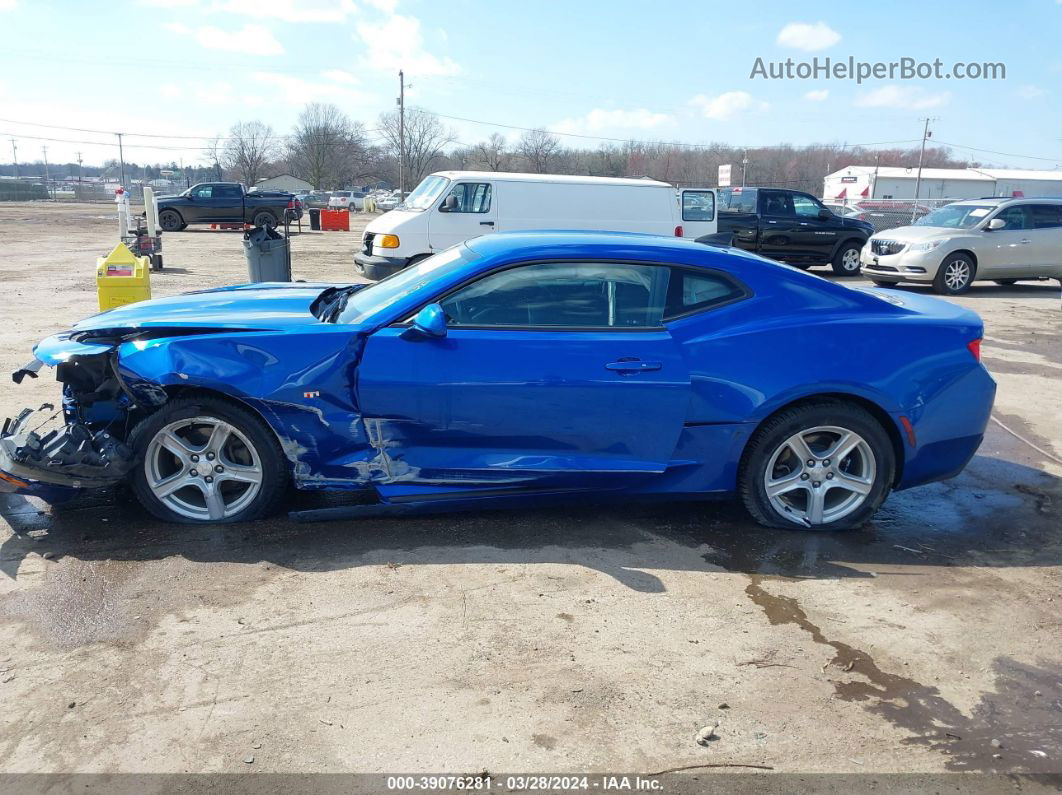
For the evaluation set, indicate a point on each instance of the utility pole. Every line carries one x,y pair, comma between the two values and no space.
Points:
401,135
744,165
121,157
47,179
79,167
874,184
14,155
921,156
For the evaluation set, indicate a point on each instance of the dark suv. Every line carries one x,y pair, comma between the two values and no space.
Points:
792,227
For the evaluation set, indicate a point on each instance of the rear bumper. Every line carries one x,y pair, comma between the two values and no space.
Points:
375,267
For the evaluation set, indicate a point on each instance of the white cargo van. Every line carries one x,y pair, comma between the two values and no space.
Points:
451,206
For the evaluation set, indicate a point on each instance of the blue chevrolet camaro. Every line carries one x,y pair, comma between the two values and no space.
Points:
517,369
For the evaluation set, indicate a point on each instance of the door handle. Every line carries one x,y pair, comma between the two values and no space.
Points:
486,223
632,366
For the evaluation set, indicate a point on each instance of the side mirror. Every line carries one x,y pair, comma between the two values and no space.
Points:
428,323
994,224
825,215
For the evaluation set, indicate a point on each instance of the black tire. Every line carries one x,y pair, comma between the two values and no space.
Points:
771,437
947,281
274,467
1006,282
846,259
171,221
264,218
883,283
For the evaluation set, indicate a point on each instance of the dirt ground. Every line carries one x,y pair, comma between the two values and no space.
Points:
591,638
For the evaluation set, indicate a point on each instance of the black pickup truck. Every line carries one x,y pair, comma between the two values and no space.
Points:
791,227
226,203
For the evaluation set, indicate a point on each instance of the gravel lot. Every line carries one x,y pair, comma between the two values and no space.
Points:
551,640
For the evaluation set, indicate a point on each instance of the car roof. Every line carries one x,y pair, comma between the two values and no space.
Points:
578,179
999,200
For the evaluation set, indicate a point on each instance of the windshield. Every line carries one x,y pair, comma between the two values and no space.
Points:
956,216
397,286
425,194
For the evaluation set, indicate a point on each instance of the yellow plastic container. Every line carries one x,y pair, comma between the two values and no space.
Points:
122,278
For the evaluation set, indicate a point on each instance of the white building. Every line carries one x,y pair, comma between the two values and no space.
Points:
891,182
284,182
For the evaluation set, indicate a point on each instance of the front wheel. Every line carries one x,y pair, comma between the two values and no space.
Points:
205,461
171,221
955,274
846,260
825,466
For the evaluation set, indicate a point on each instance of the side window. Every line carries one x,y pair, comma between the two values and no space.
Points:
1046,216
468,197
806,206
203,192
1014,217
226,192
693,290
563,294
775,203
698,205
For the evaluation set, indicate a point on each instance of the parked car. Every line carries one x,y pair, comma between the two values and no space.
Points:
841,210
388,201
317,199
792,227
517,369
347,200
450,206
226,203
999,239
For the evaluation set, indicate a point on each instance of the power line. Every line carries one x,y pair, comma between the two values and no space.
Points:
1002,154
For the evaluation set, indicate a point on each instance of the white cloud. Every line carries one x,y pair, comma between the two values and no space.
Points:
168,3
1032,92
599,120
250,39
903,97
818,95
170,91
297,91
177,27
340,76
396,43
289,10
388,6
802,36
728,105
7,5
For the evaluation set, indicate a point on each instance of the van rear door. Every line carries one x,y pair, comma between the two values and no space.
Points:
468,210
698,212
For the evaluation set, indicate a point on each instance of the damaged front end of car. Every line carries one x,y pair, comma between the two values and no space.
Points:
54,453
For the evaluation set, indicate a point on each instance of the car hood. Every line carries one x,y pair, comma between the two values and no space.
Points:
392,221
916,234
251,307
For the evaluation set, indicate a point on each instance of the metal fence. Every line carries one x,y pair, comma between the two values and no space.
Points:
72,191
887,213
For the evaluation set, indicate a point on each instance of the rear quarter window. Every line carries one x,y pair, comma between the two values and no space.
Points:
691,291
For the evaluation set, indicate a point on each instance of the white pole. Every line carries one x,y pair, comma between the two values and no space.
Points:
151,211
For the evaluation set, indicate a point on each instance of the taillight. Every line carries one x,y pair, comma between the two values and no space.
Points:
291,204
975,348
678,231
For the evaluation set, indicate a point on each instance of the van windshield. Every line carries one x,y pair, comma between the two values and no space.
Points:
425,194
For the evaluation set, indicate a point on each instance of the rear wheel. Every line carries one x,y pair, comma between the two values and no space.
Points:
264,218
205,461
846,260
817,466
955,274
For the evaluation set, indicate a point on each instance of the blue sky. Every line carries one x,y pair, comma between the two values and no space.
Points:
665,71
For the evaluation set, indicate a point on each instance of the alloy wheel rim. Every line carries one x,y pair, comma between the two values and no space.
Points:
850,260
957,274
820,475
203,468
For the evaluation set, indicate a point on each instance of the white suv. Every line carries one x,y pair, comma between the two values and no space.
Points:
998,239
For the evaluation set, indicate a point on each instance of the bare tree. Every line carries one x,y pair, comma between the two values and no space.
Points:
250,147
214,156
539,149
327,149
425,139
492,152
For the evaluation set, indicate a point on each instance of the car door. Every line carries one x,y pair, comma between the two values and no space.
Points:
698,212
551,374
778,225
1007,252
197,210
468,210
815,236
1046,236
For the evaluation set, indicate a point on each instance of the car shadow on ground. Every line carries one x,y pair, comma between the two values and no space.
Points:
1024,289
996,513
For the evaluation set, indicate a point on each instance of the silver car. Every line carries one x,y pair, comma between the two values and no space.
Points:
997,239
